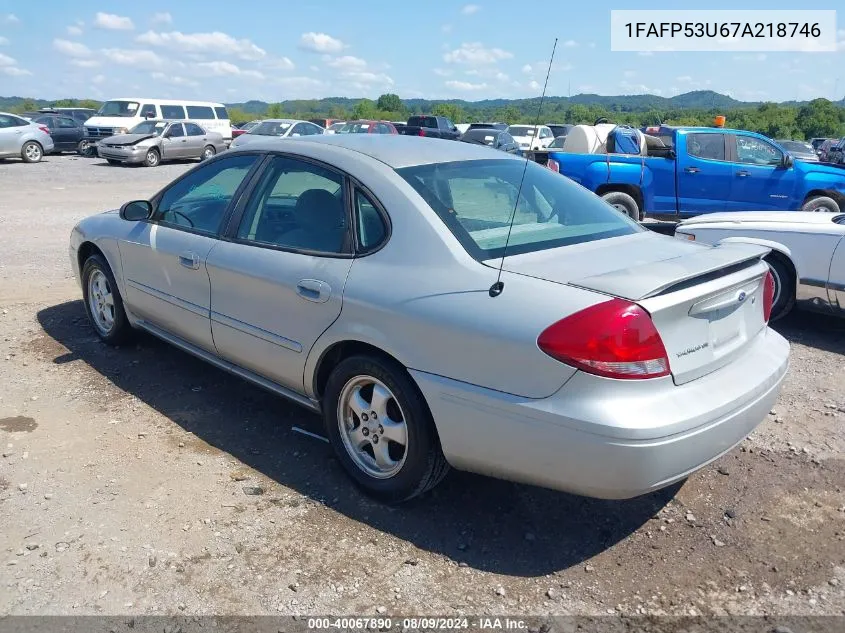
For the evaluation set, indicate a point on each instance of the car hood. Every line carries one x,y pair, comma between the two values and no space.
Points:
748,217
632,267
127,139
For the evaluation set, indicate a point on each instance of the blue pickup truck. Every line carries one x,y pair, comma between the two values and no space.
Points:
691,171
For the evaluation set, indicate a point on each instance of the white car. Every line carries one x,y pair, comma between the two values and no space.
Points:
334,127
807,257
282,128
531,137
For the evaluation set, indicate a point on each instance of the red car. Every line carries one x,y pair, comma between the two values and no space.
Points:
368,127
243,129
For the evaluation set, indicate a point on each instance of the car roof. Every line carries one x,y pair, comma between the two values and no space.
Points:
393,150
283,121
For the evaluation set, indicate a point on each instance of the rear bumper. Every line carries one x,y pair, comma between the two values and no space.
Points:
612,439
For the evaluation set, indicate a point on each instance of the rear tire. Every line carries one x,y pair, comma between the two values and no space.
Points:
784,298
103,303
822,204
152,159
409,469
623,203
208,152
32,152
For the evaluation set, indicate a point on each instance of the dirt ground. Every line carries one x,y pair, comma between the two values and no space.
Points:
123,472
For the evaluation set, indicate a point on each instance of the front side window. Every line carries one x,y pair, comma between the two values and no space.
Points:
476,200
200,112
148,111
67,122
175,131
297,205
707,146
119,108
172,112
753,151
199,200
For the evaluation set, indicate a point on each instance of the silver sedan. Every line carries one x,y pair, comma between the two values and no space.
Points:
22,138
359,276
151,142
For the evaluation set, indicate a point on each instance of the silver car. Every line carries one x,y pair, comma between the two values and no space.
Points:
21,137
359,276
153,141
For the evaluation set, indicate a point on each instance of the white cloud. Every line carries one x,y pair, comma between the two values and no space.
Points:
74,30
320,43
10,18
570,43
346,62
132,57
173,80
474,54
534,85
366,78
630,74
684,79
223,69
465,85
470,9
216,42
279,63
71,49
442,72
162,18
14,71
5,60
527,69
446,28
592,44
639,89
85,63
98,79
4,41
113,22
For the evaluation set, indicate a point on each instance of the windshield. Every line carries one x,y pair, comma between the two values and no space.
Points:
271,128
521,130
149,127
119,108
797,147
476,200
358,127
482,137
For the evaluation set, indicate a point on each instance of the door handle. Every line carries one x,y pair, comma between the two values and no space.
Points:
184,140
692,170
313,290
189,260
743,173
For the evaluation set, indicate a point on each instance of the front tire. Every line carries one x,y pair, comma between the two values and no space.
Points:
103,302
152,159
822,204
381,430
32,152
623,203
784,278
83,147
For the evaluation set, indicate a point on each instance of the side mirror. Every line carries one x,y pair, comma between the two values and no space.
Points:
136,210
787,161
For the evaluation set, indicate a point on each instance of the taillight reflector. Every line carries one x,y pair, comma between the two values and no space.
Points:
553,165
615,339
768,295
421,133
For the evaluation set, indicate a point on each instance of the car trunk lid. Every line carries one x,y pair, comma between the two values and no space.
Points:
706,302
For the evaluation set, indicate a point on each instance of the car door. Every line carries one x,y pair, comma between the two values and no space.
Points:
174,143
10,134
164,259
69,132
704,176
761,179
836,276
277,283
196,140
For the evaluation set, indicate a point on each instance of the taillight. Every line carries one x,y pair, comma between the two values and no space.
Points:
421,133
553,165
615,339
44,129
768,295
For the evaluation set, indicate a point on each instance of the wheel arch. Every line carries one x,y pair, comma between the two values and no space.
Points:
827,193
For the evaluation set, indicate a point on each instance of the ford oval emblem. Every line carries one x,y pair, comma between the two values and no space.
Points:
741,296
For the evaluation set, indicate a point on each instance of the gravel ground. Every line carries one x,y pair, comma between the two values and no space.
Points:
125,477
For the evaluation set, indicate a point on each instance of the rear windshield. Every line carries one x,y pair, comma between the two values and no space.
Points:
422,121
476,200
270,128
481,136
521,130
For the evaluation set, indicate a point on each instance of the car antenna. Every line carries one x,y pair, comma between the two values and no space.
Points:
496,288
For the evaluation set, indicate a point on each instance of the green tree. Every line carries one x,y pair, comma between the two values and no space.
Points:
275,111
90,103
820,117
364,109
451,111
390,103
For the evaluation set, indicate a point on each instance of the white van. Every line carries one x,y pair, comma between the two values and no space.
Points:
117,116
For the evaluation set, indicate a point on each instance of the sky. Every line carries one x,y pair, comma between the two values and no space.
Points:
277,50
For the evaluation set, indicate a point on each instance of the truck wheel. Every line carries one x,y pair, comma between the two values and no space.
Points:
821,203
623,203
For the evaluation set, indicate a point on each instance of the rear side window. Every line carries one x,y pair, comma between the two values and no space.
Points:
221,113
370,225
200,112
476,200
7,120
172,112
708,146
